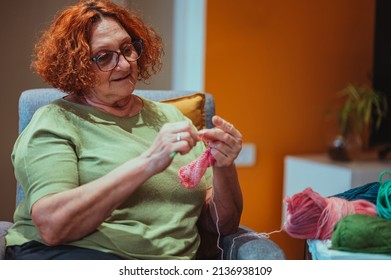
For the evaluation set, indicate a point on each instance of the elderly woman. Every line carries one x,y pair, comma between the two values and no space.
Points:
97,167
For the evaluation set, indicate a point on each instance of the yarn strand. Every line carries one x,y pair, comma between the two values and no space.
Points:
253,233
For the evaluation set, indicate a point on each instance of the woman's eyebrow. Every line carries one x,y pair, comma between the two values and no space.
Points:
109,46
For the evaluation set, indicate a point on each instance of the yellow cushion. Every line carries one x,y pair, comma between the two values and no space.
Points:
192,106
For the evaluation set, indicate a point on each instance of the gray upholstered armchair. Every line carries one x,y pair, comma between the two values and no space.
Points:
245,244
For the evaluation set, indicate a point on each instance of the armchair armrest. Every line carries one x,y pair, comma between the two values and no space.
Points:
4,226
246,244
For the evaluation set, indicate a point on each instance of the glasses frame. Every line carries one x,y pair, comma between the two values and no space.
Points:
118,53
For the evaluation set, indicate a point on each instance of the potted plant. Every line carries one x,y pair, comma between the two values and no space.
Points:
362,107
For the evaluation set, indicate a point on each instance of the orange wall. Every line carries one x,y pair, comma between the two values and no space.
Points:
274,67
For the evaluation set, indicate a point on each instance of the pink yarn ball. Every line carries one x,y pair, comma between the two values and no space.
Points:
311,216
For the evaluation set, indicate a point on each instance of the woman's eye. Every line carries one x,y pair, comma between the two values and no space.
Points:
105,58
127,50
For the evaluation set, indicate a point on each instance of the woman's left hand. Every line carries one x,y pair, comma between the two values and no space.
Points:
224,140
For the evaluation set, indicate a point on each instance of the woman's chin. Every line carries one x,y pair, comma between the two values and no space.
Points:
125,86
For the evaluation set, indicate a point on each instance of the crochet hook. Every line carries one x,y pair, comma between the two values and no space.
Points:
173,154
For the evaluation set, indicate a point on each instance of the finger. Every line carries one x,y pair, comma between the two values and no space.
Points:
184,129
221,158
230,151
186,136
215,135
180,136
226,126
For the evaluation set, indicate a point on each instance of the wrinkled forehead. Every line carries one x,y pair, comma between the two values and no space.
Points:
107,33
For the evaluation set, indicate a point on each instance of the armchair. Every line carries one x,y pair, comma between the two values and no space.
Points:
245,244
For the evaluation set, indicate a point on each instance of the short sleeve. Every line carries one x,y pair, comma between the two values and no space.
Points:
44,155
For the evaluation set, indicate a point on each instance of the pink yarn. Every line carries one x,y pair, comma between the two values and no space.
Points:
311,216
191,174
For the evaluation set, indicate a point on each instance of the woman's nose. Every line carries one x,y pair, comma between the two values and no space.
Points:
122,62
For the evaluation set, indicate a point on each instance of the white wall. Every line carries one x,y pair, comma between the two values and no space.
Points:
189,44
160,15
181,23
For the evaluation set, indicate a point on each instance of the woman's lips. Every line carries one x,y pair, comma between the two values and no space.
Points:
121,79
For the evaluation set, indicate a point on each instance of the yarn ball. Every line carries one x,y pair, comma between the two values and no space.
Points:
363,234
383,202
311,216
368,192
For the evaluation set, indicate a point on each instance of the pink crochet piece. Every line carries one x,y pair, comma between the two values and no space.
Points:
191,174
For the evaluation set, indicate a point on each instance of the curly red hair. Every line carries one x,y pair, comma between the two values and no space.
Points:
62,55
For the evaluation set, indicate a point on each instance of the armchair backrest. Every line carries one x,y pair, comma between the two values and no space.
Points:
32,99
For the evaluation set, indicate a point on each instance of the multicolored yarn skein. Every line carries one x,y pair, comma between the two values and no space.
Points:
311,216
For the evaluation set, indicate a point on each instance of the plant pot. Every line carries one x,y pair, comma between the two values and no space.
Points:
346,148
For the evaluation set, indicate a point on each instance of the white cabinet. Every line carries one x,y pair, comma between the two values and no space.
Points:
326,176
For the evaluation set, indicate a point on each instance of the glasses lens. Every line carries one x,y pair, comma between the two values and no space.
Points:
107,61
132,52
138,46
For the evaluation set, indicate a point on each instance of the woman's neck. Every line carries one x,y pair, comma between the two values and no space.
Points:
129,106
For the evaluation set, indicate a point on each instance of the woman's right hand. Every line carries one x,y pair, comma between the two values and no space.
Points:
178,137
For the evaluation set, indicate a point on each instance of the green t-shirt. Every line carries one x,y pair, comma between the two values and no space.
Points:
67,145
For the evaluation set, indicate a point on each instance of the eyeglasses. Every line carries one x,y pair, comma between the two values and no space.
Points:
109,60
